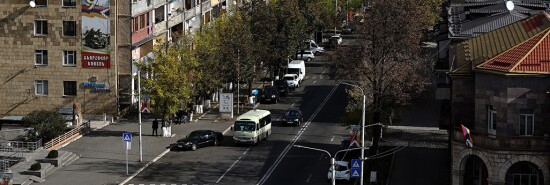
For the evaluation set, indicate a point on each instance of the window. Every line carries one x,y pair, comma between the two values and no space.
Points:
491,120
136,24
159,14
69,88
69,28
41,57
69,3
41,87
40,3
69,58
526,124
40,27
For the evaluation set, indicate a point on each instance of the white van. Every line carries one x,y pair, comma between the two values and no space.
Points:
252,127
297,67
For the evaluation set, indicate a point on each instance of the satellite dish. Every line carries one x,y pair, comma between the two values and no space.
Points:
509,5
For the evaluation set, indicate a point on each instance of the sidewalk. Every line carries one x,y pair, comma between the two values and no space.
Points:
102,157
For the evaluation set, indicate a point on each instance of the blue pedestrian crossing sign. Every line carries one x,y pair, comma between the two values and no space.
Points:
355,168
356,163
127,137
355,173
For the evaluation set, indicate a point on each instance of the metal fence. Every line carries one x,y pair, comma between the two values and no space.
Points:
81,129
24,146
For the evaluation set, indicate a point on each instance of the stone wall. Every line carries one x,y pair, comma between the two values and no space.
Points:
497,162
510,96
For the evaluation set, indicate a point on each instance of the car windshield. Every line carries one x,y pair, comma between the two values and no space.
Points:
292,113
314,45
245,126
288,78
293,70
341,168
270,90
194,135
280,82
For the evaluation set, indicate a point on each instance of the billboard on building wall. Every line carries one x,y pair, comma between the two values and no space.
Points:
96,33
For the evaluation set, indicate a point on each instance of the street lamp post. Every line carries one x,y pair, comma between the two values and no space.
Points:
332,160
362,128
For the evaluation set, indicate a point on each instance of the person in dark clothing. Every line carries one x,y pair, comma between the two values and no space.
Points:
155,127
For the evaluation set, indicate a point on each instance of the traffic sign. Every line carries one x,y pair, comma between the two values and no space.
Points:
355,173
127,137
356,163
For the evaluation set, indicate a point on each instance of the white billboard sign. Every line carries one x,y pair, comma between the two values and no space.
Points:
226,102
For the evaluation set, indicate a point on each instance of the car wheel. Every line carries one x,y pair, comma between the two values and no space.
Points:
308,59
194,147
276,100
317,53
265,138
216,143
298,124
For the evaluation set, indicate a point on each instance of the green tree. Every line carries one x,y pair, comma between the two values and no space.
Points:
46,125
290,35
170,76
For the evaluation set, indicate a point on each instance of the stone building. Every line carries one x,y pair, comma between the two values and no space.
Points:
57,53
501,92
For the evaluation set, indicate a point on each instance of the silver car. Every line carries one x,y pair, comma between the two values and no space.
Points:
305,55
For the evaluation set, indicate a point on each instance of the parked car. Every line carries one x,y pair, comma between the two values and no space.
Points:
347,29
312,46
305,55
342,171
292,80
282,87
293,117
198,138
270,94
336,39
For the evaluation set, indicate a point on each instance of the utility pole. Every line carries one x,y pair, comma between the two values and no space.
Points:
336,15
139,115
238,81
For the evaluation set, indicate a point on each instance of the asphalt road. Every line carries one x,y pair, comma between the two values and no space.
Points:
273,161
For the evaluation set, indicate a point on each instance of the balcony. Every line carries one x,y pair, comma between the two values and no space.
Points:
513,143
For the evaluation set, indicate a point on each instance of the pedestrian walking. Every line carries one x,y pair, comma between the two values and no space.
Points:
185,119
155,127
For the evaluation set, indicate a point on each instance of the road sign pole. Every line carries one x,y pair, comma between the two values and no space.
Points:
126,161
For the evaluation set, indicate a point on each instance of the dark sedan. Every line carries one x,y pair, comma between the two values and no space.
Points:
282,87
198,138
293,117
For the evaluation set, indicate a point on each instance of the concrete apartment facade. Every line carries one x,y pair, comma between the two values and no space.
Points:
63,52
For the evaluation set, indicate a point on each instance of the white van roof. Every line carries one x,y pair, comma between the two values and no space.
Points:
253,115
296,62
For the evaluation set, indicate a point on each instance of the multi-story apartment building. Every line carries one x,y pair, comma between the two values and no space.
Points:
155,21
58,53
501,92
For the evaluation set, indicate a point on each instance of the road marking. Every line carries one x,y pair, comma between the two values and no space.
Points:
278,119
285,151
332,139
309,177
292,105
227,171
323,72
314,77
146,165
314,81
206,113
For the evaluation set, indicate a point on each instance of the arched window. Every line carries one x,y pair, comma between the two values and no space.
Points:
524,173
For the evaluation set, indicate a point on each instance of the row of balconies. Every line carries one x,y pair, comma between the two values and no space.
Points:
505,142
174,14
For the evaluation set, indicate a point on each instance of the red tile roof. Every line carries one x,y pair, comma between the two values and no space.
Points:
531,56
